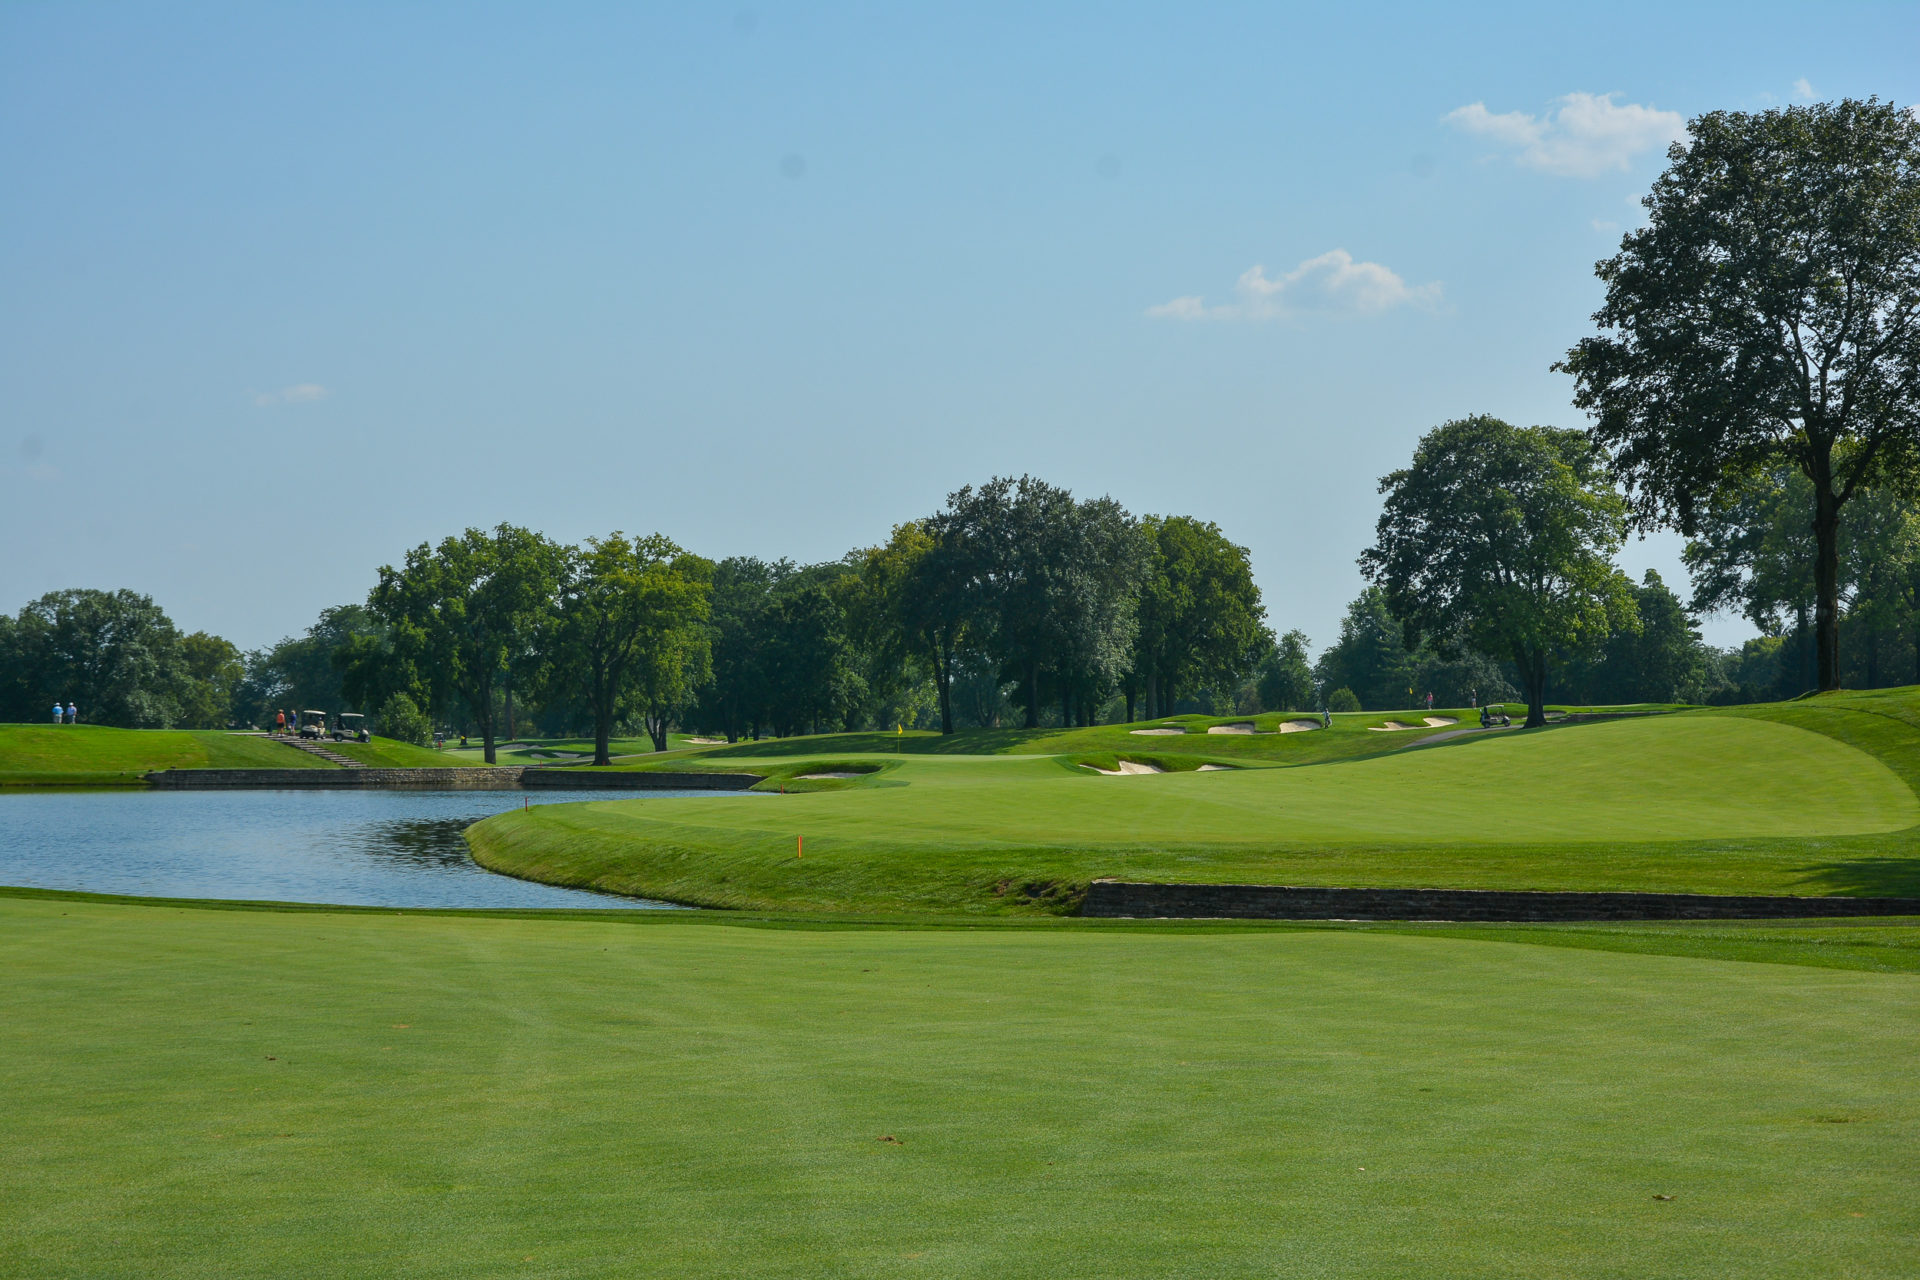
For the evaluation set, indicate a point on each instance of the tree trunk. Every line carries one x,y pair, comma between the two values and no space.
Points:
1129,703
510,733
602,725
1826,578
1033,695
943,677
657,729
1533,674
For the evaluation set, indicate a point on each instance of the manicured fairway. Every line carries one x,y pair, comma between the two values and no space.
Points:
1709,803
45,755
194,1092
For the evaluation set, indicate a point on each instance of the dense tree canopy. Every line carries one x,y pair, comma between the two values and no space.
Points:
463,609
1767,315
1500,539
1201,622
628,627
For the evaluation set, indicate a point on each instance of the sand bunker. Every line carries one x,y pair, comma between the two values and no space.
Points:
1126,767
1300,726
1157,733
1392,726
1215,768
707,742
1245,726
1438,721
815,777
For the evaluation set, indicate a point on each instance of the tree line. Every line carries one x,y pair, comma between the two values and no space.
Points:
1754,382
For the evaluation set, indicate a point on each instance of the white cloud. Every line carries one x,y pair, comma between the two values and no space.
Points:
1585,136
1187,308
1606,226
298,393
1803,90
1330,283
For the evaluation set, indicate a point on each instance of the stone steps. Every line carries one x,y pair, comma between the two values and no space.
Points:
314,748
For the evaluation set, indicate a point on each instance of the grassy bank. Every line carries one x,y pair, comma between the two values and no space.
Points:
92,755
316,1093
1812,797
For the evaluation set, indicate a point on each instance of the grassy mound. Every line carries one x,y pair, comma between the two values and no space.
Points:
1811,797
295,1094
90,755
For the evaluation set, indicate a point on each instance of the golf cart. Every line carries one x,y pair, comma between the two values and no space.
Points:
313,724
1494,715
350,725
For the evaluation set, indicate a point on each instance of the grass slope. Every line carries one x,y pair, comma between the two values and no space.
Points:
318,1094
1806,798
92,755
389,753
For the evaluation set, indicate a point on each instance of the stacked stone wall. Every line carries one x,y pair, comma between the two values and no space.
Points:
1287,902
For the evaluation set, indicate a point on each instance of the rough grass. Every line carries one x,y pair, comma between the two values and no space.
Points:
92,755
1807,798
195,1092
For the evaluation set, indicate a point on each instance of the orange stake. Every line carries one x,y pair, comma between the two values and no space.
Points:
799,846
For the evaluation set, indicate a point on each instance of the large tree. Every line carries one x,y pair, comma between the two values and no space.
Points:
1050,586
463,609
628,611
1769,312
914,606
1201,622
1500,539
114,654
1752,549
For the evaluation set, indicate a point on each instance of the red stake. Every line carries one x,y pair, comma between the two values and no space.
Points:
799,846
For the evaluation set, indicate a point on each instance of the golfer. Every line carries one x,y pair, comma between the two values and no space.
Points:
59,715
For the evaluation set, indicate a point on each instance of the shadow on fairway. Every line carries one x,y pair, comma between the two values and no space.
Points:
1867,877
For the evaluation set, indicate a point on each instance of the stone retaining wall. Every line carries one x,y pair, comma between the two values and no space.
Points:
503,778
1286,902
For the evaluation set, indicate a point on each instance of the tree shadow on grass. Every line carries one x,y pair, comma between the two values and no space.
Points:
1890,877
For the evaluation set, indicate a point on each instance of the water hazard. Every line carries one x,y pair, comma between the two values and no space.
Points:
357,848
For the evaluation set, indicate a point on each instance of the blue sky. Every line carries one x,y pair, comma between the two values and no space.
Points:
285,290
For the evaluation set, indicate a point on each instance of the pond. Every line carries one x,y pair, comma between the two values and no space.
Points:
355,848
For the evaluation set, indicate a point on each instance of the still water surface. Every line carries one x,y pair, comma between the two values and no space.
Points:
360,848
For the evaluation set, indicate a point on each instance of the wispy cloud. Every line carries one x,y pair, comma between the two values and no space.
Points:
1803,90
1332,283
1584,136
298,393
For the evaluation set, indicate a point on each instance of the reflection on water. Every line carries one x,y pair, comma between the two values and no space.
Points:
360,848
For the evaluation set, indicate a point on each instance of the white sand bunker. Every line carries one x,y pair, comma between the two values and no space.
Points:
1215,768
1163,732
1300,726
1437,721
1245,726
816,777
1126,767
1392,726
707,742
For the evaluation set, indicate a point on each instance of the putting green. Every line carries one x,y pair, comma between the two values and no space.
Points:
1673,778
1587,806
194,1092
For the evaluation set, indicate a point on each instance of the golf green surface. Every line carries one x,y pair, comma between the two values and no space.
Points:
1797,799
234,1092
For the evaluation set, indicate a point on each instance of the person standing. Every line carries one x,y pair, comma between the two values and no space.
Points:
59,713
73,717
279,722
